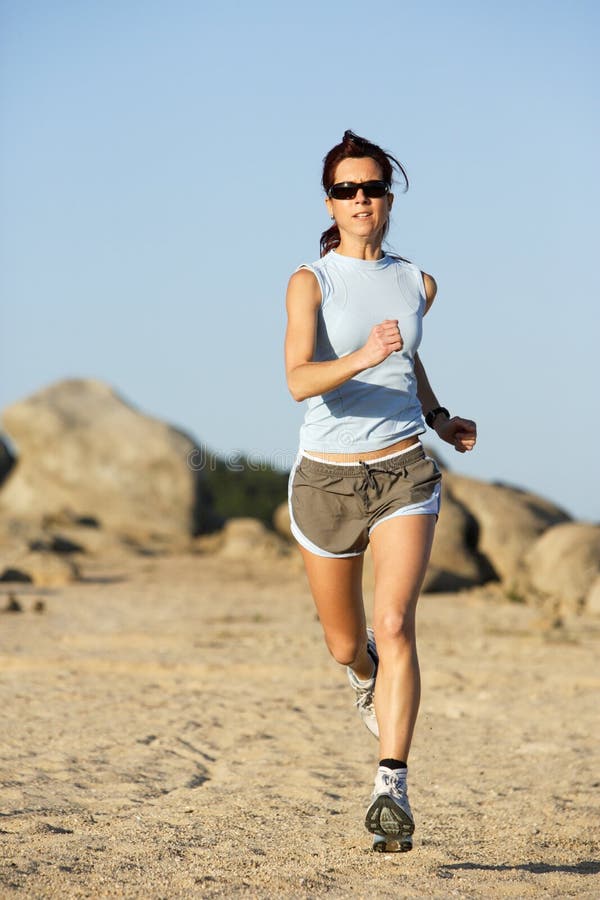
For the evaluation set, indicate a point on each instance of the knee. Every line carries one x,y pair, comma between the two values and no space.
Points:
343,649
394,629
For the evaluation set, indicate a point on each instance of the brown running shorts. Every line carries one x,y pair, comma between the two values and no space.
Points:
335,506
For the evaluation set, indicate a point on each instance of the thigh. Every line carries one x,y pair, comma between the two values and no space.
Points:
401,547
336,586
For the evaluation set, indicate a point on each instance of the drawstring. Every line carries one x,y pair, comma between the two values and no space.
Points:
371,478
370,482
369,475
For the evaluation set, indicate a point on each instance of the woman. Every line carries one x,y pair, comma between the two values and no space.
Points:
361,475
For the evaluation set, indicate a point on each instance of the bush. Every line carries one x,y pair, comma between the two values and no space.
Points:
244,490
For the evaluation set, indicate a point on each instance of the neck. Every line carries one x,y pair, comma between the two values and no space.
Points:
360,249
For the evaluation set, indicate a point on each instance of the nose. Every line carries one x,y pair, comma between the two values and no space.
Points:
361,197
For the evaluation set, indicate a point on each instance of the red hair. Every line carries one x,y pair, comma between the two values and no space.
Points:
353,146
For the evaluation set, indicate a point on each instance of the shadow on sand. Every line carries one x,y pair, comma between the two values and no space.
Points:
585,867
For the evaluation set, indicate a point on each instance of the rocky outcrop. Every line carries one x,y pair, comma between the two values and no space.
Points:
455,559
245,537
84,451
38,568
592,600
561,570
85,472
281,521
508,520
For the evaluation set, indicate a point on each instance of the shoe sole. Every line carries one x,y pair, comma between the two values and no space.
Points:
384,843
374,729
385,817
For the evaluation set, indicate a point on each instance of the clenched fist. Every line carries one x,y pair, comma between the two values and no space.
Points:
383,340
461,433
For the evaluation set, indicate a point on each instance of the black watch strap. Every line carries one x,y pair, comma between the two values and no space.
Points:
430,417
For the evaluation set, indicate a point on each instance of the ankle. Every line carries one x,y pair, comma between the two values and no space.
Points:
362,682
363,667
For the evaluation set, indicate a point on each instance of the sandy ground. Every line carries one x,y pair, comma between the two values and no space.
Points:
173,727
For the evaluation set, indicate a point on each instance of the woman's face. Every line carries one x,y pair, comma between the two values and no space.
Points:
362,216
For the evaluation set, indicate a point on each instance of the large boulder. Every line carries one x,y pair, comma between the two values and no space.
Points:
592,600
83,449
509,521
562,568
281,521
455,560
244,537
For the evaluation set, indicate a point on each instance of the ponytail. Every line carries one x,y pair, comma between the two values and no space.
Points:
330,239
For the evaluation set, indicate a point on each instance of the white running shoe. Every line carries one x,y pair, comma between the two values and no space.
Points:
389,815
365,690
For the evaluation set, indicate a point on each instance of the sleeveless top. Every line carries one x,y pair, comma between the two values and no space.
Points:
379,406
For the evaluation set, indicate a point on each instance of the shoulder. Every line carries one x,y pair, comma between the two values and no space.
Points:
304,287
430,286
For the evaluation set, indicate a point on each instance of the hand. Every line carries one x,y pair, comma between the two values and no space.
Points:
461,433
383,340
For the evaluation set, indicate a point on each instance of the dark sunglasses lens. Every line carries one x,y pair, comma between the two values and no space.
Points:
343,191
347,190
375,188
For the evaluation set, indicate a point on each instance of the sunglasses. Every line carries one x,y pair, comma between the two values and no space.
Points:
347,190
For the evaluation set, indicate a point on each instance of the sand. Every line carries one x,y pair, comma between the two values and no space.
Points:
174,727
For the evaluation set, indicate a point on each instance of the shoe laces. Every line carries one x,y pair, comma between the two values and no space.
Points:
394,779
364,695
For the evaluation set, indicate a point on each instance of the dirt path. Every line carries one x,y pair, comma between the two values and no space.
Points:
175,728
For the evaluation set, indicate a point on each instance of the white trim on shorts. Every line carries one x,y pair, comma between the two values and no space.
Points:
429,507
423,508
300,537
376,459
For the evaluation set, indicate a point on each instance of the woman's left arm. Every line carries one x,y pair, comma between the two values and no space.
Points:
461,433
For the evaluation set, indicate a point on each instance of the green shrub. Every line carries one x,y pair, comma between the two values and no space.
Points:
244,489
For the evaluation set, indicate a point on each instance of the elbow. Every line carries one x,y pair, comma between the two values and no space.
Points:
295,388
296,393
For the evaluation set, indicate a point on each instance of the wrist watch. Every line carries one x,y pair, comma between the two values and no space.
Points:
430,417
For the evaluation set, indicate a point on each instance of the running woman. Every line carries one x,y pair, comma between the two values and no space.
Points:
361,475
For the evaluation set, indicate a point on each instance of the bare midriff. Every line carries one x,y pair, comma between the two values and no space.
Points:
369,454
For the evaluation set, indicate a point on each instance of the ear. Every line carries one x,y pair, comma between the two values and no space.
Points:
329,206
390,201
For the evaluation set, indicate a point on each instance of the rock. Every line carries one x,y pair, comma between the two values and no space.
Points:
18,536
41,569
12,573
13,604
562,567
246,537
57,543
509,521
455,561
281,521
85,453
592,600
7,458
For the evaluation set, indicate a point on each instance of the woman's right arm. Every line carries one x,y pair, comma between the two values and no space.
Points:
306,378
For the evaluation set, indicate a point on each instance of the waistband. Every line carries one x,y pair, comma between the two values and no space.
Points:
391,463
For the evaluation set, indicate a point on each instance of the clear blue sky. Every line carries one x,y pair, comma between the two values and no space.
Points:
159,175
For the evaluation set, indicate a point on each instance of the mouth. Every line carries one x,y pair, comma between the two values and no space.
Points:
362,215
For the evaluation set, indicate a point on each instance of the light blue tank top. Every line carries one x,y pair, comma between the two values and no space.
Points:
379,406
